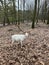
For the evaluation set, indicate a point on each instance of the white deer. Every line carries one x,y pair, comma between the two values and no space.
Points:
19,37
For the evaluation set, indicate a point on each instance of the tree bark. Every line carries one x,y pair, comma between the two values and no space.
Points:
38,10
33,21
48,18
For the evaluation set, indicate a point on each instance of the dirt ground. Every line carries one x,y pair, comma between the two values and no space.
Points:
35,49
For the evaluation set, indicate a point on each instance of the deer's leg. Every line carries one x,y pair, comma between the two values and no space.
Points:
12,41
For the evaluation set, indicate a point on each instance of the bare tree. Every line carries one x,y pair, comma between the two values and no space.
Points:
14,10
38,9
23,9
34,16
5,14
45,10
48,15
18,13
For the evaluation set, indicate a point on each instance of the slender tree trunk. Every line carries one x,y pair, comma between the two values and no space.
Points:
8,22
45,10
18,14
33,21
7,19
48,18
44,20
23,10
4,22
14,12
38,10
5,14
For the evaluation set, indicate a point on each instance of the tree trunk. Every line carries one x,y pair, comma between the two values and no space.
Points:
23,9
18,14
45,10
33,21
38,10
48,18
8,21
14,12
4,22
5,14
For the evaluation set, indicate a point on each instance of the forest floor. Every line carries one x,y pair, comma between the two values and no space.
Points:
35,49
